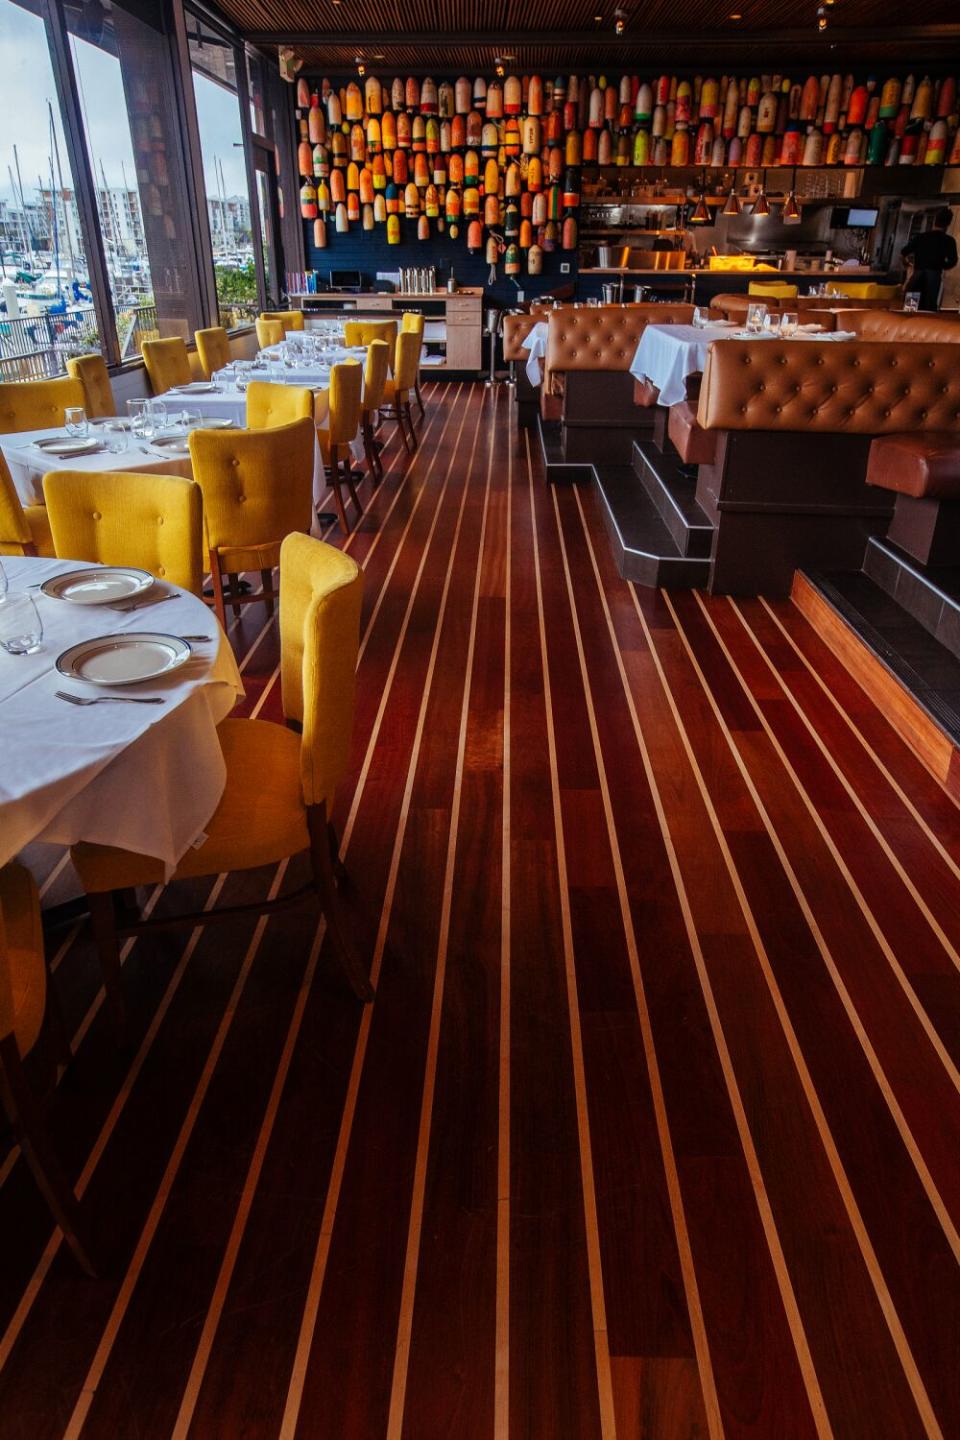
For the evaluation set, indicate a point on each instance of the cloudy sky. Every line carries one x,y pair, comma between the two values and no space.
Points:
28,85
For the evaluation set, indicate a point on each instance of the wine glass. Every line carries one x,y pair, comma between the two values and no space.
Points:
75,419
699,318
788,324
21,629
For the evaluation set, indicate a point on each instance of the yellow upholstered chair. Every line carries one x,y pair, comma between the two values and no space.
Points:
374,382
402,384
863,290
108,517
269,405
213,348
37,404
413,321
773,290
167,362
91,371
289,319
24,529
257,488
280,786
23,1004
343,421
269,332
361,332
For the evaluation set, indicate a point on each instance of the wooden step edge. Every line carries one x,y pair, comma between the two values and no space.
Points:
911,720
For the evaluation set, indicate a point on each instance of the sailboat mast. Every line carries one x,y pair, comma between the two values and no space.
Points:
28,227
56,154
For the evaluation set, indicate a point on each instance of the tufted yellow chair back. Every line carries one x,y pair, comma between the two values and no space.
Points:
407,360
167,363
37,404
14,530
23,975
269,332
346,388
375,375
213,348
289,319
773,290
413,321
269,405
91,371
109,517
863,290
320,593
362,332
257,484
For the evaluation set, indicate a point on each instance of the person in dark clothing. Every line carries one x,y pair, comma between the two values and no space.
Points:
931,252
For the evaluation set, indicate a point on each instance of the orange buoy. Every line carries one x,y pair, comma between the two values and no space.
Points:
320,234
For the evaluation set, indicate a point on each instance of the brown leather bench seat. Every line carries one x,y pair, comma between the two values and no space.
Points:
795,422
923,469
694,445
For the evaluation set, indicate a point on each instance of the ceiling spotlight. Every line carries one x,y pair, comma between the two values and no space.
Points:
822,18
735,15
619,20
598,19
733,206
499,66
791,210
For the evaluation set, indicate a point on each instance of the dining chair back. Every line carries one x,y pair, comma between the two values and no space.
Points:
414,321
23,1004
269,332
270,404
92,372
213,349
345,402
374,383
398,390
257,487
109,517
37,404
361,332
167,363
24,530
289,319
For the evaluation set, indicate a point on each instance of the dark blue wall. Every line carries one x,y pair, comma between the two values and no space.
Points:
368,252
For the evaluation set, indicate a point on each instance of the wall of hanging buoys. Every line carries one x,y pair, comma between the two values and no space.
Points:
458,158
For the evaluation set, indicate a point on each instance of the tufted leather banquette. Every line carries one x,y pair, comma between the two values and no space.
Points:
516,328
846,386
734,306
603,337
921,328
922,468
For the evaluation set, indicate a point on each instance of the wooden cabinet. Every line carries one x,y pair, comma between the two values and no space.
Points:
453,334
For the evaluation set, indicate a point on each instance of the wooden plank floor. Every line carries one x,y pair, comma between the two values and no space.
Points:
652,1130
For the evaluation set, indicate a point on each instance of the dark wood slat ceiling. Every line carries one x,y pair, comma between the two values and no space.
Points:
564,35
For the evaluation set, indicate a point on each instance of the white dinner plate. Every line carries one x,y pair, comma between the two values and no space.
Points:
215,422
123,659
196,387
102,585
176,444
65,449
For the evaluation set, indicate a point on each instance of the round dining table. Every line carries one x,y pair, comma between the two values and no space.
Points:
142,777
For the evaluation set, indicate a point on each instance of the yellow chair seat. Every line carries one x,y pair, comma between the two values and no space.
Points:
236,558
24,956
261,817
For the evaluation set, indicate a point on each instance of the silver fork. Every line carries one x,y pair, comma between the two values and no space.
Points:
108,699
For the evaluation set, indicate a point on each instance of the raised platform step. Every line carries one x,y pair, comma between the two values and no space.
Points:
905,670
674,496
643,547
929,594
559,471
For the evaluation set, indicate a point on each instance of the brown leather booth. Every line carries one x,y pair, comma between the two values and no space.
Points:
923,471
794,422
733,306
516,328
920,328
587,385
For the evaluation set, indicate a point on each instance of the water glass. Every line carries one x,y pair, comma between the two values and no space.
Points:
699,318
154,418
771,323
75,419
137,411
756,314
21,629
788,324
116,436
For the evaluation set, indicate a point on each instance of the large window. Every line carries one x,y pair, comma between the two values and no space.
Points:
219,121
46,305
122,64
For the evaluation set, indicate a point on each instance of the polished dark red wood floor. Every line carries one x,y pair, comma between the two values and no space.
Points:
652,1130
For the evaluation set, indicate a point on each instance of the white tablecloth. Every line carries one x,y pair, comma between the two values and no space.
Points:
667,354
536,347
143,777
28,464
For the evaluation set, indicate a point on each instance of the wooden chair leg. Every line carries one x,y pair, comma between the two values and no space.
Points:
24,1115
58,1027
104,919
325,882
413,434
336,480
352,488
266,580
339,869
233,580
416,387
400,426
216,575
